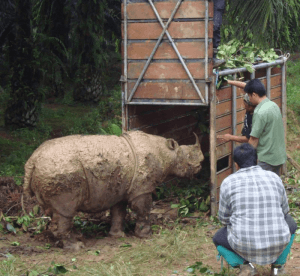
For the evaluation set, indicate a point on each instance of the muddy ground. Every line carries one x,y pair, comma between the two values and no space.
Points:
34,249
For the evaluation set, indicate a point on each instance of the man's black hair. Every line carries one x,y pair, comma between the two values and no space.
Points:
256,86
245,155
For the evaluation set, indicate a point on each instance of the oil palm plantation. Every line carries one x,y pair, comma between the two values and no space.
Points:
23,79
272,23
77,37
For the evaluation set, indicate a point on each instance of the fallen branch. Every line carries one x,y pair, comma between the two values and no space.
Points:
293,162
12,207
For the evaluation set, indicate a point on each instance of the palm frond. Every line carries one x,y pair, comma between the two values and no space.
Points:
265,19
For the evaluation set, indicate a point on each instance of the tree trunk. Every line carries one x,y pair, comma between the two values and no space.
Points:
23,106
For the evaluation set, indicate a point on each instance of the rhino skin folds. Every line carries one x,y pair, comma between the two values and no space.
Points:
93,173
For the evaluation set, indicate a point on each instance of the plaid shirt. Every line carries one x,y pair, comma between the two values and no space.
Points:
253,205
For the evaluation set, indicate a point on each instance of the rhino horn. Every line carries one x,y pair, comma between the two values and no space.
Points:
197,140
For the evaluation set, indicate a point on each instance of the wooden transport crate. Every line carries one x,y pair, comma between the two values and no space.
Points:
162,97
172,64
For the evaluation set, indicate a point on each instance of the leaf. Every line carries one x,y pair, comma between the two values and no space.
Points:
24,227
15,243
126,245
207,201
115,130
36,209
203,206
33,273
59,269
297,239
10,228
97,252
190,270
249,68
203,269
174,206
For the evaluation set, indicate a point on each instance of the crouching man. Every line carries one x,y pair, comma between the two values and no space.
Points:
254,209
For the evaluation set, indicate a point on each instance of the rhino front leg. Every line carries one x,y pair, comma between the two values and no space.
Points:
142,205
118,213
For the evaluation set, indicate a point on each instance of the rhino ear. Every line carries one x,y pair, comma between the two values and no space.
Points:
172,144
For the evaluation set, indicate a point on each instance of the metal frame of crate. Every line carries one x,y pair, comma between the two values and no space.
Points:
275,81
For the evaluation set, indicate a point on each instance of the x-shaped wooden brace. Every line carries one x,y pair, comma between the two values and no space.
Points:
165,31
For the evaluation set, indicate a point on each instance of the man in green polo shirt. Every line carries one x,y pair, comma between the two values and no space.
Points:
267,133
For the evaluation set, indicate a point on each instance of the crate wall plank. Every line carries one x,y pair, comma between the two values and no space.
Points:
188,9
275,80
166,90
167,70
226,107
224,149
275,92
152,30
222,175
188,49
226,121
278,101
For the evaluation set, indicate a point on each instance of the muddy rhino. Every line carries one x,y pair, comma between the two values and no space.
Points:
93,173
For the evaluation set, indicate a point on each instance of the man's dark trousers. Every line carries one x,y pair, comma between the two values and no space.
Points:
219,8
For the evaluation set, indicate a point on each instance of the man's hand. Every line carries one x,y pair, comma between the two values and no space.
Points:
225,138
228,137
253,141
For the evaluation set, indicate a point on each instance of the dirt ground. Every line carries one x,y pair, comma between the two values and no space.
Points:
35,249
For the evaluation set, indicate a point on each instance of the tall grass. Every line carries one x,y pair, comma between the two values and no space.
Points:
293,85
293,105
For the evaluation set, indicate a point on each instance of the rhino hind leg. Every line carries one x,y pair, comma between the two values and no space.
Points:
141,205
118,213
64,207
60,225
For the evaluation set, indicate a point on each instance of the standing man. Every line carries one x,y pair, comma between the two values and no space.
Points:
219,8
247,125
267,134
254,210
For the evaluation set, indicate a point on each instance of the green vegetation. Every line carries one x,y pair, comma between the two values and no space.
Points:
57,120
50,48
239,55
293,103
293,85
175,251
267,23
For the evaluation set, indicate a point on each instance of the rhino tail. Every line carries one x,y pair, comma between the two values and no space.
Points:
29,169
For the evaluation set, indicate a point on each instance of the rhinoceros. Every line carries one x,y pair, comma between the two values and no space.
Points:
93,173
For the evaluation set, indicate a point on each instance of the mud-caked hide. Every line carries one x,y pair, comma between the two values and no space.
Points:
92,173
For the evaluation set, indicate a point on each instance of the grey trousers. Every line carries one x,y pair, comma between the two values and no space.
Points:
220,238
268,167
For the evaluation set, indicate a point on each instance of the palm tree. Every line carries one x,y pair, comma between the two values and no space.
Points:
23,106
267,22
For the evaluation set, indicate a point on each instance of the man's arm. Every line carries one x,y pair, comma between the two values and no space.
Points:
229,137
253,141
224,208
285,204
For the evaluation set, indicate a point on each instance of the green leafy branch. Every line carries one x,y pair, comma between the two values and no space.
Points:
239,55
